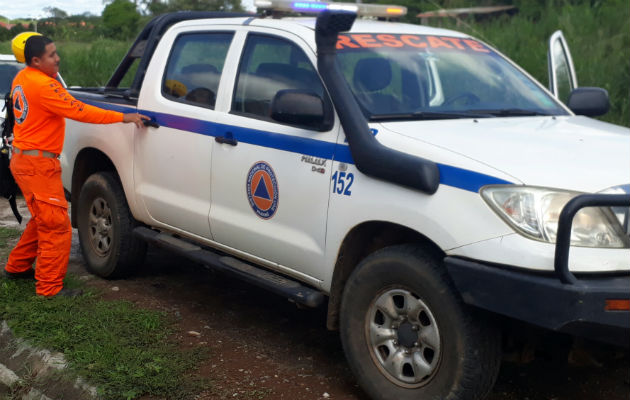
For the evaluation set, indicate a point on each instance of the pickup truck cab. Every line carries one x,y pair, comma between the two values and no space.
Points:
413,180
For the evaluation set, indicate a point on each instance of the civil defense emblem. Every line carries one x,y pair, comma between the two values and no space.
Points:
20,105
262,190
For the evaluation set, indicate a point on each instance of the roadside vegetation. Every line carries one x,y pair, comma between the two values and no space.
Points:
124,351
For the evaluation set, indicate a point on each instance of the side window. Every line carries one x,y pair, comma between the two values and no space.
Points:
194,68
269,65
386,85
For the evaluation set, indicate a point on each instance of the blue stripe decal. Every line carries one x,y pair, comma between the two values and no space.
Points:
451,176
466,179
311,147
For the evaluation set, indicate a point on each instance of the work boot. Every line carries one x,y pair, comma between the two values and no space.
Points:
28,274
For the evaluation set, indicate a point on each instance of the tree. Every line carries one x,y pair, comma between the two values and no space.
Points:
120,19
56,13
155,7
161,6
17,28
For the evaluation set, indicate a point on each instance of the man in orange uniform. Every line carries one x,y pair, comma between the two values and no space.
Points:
40,105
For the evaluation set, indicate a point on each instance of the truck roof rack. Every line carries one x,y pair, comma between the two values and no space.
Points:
146,42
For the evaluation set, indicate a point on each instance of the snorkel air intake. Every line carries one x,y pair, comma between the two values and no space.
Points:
370,157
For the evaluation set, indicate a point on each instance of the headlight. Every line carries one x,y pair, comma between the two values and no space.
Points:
534,212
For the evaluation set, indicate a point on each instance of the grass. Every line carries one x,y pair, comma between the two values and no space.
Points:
7,236
86,64
124,351
91,64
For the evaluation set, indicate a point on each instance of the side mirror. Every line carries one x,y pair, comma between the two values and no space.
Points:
589,101
298,107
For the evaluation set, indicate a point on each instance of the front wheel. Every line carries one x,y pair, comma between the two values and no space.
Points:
105,228
407,335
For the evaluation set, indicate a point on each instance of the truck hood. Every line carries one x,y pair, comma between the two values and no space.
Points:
574,153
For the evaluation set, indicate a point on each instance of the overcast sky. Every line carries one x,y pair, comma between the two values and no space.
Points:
35,8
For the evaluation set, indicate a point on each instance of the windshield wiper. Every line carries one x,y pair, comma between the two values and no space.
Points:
429,115
510,112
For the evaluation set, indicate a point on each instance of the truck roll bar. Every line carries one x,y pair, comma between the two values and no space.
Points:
146,42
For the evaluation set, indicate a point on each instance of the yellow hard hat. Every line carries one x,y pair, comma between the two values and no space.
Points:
175,88
19,42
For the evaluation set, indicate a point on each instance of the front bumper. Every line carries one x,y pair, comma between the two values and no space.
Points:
577,309
558,301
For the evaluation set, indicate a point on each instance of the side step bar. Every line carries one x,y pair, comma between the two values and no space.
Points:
278,284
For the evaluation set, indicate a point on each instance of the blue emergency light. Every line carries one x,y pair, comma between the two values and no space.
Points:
366,10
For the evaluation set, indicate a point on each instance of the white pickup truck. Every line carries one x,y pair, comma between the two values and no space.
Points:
413,180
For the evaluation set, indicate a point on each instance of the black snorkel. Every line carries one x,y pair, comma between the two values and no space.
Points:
370,157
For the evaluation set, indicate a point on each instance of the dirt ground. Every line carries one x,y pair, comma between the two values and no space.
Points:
262,346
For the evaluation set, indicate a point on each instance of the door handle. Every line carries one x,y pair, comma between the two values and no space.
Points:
150,123
227,139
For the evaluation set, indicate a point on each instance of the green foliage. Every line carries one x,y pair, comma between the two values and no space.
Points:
124,351
56,12
90,64
158,7
120,19
78,28
598,35
7,235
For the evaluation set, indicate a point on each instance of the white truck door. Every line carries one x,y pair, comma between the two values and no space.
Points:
562,78
271,180
172,163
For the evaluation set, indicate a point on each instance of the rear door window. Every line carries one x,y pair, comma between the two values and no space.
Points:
194,68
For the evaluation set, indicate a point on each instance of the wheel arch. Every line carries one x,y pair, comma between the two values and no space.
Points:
361,241
88,161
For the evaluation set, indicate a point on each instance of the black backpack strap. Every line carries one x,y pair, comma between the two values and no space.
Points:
14,208
9,117
8,187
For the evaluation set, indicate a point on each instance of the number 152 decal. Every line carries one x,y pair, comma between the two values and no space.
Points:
342,182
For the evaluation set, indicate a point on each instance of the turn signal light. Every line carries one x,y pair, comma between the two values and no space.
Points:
617,305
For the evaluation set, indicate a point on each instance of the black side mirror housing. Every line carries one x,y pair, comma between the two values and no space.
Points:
589,101
298,107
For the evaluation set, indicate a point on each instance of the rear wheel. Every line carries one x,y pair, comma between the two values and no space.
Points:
407,335
105,228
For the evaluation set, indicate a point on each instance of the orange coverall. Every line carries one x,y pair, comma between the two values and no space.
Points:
40,105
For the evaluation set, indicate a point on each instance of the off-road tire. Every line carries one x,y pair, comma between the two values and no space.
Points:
469,345
106,228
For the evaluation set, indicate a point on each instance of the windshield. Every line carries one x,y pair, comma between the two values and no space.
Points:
431,77
8,70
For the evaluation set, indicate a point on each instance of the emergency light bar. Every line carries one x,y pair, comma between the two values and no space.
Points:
300,6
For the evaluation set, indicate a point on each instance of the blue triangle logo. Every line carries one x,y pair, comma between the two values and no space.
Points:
16,105
261,190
